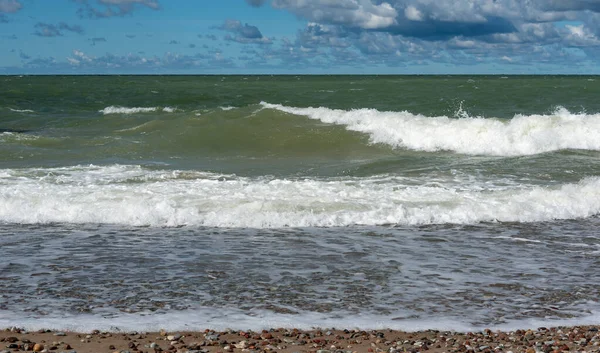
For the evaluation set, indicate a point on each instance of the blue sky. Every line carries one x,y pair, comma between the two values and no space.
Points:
299,36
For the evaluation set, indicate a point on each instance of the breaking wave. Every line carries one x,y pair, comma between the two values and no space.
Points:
132,195
521,135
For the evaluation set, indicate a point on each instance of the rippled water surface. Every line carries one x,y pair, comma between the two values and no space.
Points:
482,275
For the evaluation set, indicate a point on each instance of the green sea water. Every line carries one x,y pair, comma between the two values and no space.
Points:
449,202
217,123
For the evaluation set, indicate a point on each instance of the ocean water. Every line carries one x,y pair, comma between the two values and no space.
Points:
192,202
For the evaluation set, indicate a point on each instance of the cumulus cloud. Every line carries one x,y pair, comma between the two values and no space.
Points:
580,36
354,13
50,30
243,33
457,32
111,8
318,35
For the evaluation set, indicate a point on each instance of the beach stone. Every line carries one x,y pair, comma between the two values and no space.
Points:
38,347
11,339
60,334
241,345
174,337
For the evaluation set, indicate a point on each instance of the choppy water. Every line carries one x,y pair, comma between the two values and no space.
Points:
402,202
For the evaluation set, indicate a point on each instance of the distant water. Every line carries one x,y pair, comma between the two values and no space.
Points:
406,202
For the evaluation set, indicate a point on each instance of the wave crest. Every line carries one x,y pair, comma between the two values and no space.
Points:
134,196
521,135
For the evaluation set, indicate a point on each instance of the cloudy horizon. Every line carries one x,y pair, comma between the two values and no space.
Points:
300,37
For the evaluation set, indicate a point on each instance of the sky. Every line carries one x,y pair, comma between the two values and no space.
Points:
300,36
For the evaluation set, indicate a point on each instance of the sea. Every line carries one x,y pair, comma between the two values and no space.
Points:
131,203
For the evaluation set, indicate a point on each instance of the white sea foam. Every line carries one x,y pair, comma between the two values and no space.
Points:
133,196
227,108
222,319
521,135
22,110
126,110
12,136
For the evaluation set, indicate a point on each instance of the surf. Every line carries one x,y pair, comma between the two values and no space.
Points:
132,195
520,136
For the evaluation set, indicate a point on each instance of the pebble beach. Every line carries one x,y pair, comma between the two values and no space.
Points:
542,339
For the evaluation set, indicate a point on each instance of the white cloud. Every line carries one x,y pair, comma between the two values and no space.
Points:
413,14
580,36
354,13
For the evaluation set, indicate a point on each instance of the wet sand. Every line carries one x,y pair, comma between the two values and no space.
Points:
556,339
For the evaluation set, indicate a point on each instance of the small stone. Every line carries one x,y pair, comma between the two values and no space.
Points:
11,339
212,337
60,334
241,345
38,347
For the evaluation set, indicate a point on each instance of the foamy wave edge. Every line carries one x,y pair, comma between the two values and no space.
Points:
521,135
21,110
129,196
230,318
134,110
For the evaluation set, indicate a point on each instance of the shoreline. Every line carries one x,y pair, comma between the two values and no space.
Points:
551,339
